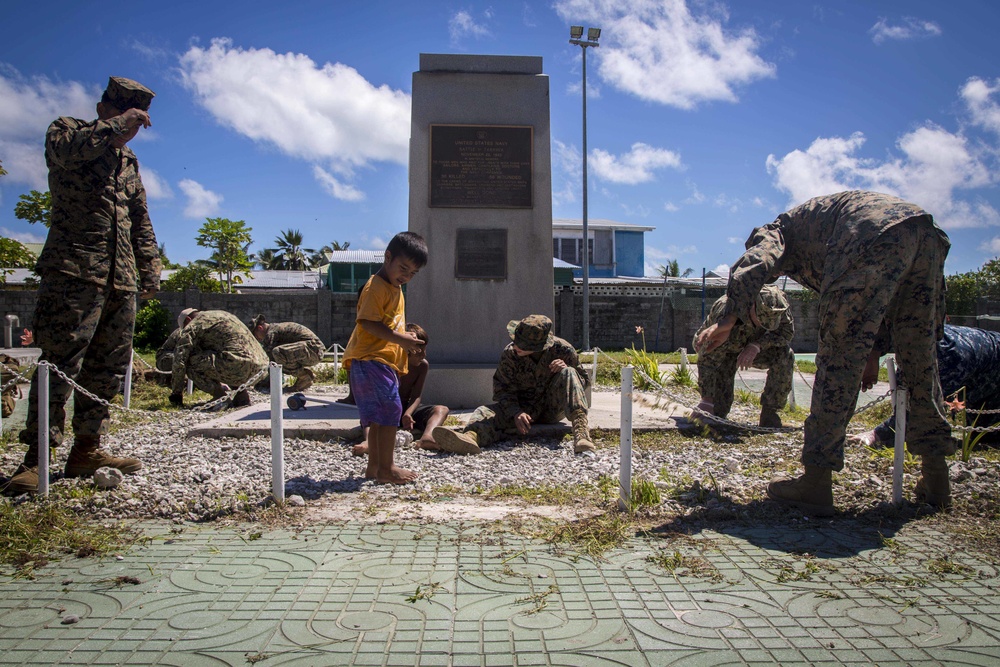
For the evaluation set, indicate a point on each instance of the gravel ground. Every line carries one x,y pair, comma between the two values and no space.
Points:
701,476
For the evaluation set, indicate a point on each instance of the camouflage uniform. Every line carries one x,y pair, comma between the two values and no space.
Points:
717,369
872,258
525,384
216,348
293,346
99,252
165,355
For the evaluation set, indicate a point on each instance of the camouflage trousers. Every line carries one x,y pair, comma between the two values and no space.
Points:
84,329
294,357
208,370
899,279
563,396
717,374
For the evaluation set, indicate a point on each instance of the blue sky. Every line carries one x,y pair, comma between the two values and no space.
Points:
705,119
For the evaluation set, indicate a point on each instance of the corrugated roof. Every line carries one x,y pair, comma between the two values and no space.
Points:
599,223
356,256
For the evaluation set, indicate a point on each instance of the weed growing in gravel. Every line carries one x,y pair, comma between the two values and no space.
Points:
682,376
644,494
545,495
33,533
747,397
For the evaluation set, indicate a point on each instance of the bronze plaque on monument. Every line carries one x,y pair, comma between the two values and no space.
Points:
481,254
481,166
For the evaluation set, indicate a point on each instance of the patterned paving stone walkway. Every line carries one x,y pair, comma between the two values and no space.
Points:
463,594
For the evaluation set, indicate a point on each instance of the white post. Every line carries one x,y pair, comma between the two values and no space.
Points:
277,436
899,407
336,363
190,387
128,382
43,430
684,359
625,453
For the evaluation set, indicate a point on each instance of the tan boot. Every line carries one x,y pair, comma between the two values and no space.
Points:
304,379
458,442
582,443
812,492
86,457
770,419
25,478
934,487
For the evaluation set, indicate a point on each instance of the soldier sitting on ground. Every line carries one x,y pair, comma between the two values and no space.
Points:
763,342
538,381
216,351
293,346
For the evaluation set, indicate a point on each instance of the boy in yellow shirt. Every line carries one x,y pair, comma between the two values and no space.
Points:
376,354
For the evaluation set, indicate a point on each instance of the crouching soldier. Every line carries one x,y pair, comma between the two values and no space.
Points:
762,342
216,351
293,346
538,381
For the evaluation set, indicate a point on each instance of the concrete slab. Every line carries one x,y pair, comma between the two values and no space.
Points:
324,418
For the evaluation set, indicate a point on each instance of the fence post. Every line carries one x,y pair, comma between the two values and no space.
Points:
43,430
899,451
625,449
277,436
128,381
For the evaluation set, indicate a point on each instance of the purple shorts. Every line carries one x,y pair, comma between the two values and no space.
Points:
376,393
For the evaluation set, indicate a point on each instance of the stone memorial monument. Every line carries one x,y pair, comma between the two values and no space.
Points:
481,194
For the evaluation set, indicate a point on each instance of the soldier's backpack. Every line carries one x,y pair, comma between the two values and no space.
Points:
8,367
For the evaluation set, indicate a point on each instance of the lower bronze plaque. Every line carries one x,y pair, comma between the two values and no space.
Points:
481,254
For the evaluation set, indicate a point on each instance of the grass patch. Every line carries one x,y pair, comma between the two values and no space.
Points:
594,536
546,495
34,533
678,564
869,419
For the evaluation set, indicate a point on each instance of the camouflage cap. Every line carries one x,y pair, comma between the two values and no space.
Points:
125,94
771,306
186,313
531,334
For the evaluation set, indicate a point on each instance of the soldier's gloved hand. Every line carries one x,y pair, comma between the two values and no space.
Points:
177,399
749,353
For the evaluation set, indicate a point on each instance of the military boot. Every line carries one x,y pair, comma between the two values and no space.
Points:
934,487
581,433
303,380
459,442
86,457
25,478
769,418
241,399
812,492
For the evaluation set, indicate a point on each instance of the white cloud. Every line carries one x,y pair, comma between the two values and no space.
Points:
462,24
593,90
335,187
326,114
722,270
991,246
201,203
735,240
567,173
156,186
910,28
27,107
634,167
934,165
985,111
671,207
658,51
656,257
637,211
23,237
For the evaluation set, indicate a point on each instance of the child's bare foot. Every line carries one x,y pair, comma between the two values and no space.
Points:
360,450
427,443
396,475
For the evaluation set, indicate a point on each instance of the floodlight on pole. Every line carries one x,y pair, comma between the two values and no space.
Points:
593,34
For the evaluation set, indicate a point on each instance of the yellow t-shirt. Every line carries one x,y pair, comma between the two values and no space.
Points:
379,302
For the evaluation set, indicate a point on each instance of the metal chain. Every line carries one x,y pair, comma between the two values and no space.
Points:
85,392
206,407
17,376
145,363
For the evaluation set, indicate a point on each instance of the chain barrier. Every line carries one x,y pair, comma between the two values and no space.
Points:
145,363
211,405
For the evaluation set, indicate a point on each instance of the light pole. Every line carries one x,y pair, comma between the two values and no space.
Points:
576,37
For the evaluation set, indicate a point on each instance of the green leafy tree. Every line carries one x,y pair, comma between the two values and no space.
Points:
35,207
152,326
193,276
229,241
289,253
13,255
963,289
3,172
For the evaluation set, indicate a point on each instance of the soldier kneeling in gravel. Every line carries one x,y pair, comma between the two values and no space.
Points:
538,381
763,342
216,351
293,346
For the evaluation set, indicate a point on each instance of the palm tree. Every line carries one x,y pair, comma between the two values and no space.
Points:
320,257
265,258
290,255
672,269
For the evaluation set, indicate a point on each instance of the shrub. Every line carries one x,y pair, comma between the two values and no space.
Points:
152,325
